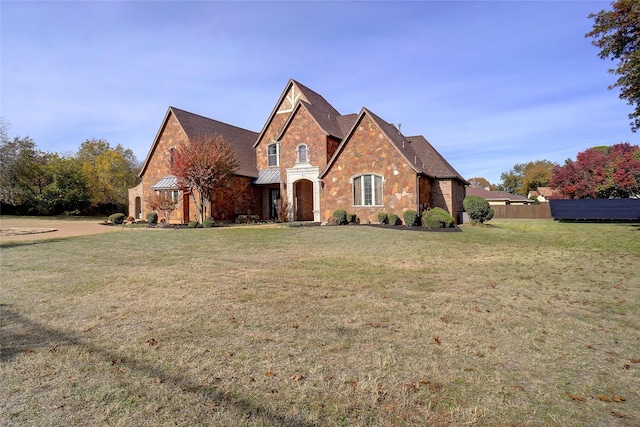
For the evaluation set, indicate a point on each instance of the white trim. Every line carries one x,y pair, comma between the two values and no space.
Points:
362,190
310,173
277,144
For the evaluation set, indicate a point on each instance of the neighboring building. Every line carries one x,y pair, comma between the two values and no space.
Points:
498,197
544,194
310,160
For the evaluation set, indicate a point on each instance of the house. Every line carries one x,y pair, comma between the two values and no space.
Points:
308,160
544,194
498,197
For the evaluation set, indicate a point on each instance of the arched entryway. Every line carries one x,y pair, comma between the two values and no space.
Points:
303,196
138,208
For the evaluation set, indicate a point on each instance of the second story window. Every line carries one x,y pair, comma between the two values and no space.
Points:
302,154
273,154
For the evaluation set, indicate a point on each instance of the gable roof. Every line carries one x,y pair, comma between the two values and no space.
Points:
241,140
325,119
320,107
416,150
496,195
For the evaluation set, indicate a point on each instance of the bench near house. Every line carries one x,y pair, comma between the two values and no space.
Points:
310,160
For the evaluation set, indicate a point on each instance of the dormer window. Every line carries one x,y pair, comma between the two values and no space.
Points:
302,153
273,154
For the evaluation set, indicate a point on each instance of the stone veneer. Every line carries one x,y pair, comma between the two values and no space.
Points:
369,151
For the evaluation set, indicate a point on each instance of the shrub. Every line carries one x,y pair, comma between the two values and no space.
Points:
116,218
193,224
341,216
410,217
352,218
436,218
478,209
208,223
152,218
383,218
393,219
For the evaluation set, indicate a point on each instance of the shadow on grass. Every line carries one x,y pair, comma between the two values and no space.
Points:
21,243
22,335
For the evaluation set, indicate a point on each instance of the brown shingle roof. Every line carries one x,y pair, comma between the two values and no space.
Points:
432,161
495,195
241,140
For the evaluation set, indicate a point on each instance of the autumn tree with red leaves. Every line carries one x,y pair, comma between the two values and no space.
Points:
600,172
162,202
202,165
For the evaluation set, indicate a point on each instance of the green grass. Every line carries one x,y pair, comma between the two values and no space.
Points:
518,323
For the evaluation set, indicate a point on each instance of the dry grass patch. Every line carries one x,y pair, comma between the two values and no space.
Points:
521,323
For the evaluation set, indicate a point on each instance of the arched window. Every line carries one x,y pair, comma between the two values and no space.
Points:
302,153
171,151
273,154
367,190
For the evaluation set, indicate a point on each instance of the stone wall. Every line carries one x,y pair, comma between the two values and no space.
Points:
369,151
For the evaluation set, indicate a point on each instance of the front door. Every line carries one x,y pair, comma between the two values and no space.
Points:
304,200
274,203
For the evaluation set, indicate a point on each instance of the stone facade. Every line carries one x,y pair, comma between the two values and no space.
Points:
369,152
320,152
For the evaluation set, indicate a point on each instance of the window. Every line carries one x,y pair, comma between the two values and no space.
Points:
273,153
171,152
302,153
367,190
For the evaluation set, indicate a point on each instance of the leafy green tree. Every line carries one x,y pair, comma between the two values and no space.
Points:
109,173
525,177
616,33
478,209
66,189
22,174
512,180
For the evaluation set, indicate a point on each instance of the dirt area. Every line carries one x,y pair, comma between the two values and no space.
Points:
31,228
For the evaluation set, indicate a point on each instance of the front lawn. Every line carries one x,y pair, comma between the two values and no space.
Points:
518,323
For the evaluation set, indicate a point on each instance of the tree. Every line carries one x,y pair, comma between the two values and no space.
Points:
600,172
525,177
617,33
478,209
22,175
479,182
109,172
162,202
203,165
66,190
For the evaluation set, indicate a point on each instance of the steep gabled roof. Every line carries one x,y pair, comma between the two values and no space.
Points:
320,105
432,161
416,150
241,140
326,120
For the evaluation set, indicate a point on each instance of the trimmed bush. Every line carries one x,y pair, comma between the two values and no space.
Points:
193,224
383,218
152,218
478,209
410,217
437,218
341,216
352,218
393,219
116,218
208,223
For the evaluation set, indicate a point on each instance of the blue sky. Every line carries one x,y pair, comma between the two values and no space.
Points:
488,83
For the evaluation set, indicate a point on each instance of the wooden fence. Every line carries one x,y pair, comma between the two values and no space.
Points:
541,211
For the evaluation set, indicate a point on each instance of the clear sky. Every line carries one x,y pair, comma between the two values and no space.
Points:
488,83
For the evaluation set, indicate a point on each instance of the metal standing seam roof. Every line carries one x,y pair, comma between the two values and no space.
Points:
168,182
268,176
